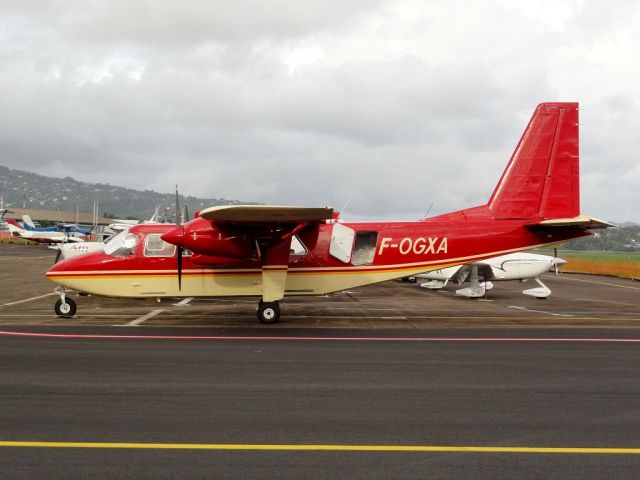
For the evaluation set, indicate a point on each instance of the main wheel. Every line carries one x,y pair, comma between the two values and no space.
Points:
268,312
66,309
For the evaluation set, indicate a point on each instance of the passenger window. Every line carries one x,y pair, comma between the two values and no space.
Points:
154,246
297,247
365,248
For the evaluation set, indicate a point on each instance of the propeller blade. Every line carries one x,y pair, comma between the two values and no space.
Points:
185,217
179,267
555,260
58,253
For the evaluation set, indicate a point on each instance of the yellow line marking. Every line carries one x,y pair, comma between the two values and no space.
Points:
593,281
348,448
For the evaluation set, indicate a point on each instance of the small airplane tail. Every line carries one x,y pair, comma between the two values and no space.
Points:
14,227
541,181
27,222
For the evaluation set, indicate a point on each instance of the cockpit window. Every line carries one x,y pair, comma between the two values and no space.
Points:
121,244
154,246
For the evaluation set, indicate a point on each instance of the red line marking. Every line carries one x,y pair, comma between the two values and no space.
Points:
7,333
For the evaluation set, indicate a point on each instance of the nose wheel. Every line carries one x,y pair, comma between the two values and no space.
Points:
268,312
65,307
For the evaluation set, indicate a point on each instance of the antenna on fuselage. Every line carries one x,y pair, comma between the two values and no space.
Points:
428,210
343,209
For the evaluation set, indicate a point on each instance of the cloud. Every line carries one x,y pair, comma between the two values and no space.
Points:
393,105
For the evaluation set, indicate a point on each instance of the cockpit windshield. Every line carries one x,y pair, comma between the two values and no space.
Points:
124,243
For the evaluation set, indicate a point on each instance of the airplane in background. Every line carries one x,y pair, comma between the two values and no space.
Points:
38,236
246,250
70,228
3,222
70,250
521,266
121,225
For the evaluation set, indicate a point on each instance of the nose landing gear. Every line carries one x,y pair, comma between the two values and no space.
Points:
65,307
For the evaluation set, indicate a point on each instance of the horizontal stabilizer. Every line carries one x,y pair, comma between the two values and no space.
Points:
266,214
581,221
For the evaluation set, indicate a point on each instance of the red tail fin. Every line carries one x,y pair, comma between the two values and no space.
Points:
541,180
12,221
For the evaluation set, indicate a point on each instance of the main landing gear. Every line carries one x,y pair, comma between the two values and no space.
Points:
65,307
268,312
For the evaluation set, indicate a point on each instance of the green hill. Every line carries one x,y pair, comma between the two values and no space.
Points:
20,188
620,239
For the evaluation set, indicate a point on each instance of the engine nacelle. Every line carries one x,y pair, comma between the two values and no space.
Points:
204,239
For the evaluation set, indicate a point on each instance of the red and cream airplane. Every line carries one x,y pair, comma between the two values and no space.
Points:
273,251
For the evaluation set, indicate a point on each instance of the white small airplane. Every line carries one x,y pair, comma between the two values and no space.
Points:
122,225
520,266
71,229
75,249
40,237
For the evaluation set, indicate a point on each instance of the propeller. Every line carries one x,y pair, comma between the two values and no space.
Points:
178,223
555,260
185,211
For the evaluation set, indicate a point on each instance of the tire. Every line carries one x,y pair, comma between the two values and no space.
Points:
66,309
268,312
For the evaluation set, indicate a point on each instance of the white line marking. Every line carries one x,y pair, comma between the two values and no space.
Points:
29,299
144,318
542,311
184,302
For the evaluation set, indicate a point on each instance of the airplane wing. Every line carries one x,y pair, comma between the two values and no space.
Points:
244,214
271,227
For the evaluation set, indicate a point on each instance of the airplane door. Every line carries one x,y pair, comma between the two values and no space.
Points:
341,244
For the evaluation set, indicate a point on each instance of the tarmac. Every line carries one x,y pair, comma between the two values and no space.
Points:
385,381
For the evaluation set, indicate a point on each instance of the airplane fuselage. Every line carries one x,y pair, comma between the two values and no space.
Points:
378,252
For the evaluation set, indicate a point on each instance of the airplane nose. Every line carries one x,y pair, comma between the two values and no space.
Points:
559,262
174,236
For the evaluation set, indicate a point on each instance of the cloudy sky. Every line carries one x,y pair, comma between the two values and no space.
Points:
391,105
